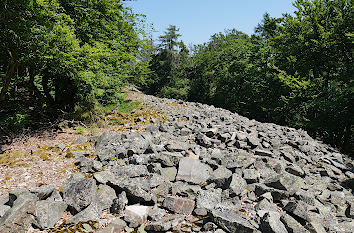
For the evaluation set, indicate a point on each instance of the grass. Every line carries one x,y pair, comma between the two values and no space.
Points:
80,130
128,106
10,157
93,129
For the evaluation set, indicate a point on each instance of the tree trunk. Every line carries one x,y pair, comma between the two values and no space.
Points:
34,90
10,71
46,90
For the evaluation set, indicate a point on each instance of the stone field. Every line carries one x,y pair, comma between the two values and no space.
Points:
201,169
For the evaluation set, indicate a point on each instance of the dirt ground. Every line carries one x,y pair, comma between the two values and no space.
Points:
43,159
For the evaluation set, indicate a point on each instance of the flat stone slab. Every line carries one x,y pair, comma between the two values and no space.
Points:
193,171
136,215
179,205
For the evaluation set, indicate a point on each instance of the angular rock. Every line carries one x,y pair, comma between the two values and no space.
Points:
295,170
241,136
91,213
48,213
119,203
136,215
208,199
115,226
266,205
169,172
16,193
103,176
131,171
230,221
169,159
105,196
162,225
221,177
79,194
177,146
156,213
238,184
240,161
299,209
43,192
138,189
253,141
179,205
192,171
251,175
263,152
292,225
271,223
287,182
21,216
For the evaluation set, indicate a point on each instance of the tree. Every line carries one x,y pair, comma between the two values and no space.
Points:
69,54
165,61
169,40
313,55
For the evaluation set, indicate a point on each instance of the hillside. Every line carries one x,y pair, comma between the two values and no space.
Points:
179,166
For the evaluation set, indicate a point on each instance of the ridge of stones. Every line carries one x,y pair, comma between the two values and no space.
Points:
204,169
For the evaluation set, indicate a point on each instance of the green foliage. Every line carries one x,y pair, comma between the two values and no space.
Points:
16,122
168,65
80,130
70,55
297,70
128,106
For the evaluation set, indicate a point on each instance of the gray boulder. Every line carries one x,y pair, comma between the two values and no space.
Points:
169,173
136,215
43,192
208,199
292,225
230,221
105,196
48,213
193,171
91,213
251,175
21,216
79,194
131,170
271,223
119,203
115,226
221,177
238,184
179,205
287,182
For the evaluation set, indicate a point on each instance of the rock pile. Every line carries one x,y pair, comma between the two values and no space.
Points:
202,170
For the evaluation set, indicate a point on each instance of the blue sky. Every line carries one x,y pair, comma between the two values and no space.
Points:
199,19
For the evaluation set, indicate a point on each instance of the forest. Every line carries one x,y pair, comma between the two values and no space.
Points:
73,58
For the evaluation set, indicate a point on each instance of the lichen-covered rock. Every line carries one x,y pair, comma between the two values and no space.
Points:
79,193
90,213
119,203
179,205
21,215
193,171
43,192
230,221
47,213
238,184
105,196
271,223
115,226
